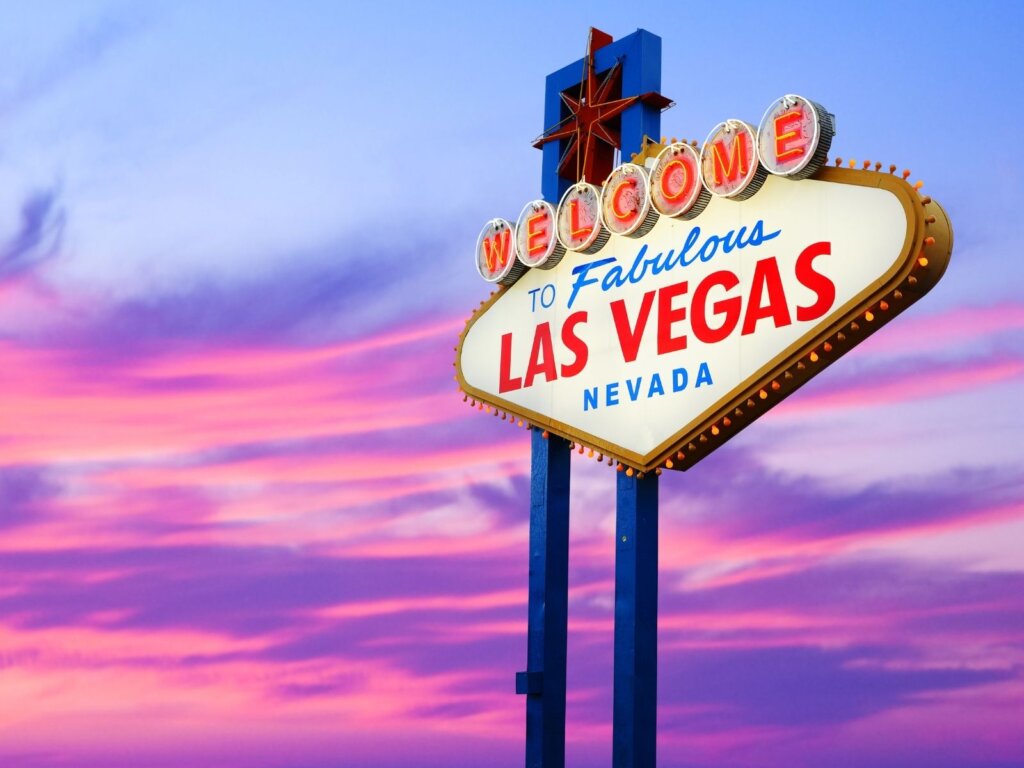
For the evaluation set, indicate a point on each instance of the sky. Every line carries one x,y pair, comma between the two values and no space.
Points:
245,518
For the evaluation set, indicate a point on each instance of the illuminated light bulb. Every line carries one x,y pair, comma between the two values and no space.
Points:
814,357
619,467
929,240
884,306
668,464
663,140
922,260
827,347
853,163
726,422
715,430
487,409
869,316
918,184
906,174
520,423
590,453
629,472
892,168
776,386
763,395
545,434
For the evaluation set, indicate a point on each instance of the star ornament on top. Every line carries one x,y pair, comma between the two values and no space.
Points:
591,129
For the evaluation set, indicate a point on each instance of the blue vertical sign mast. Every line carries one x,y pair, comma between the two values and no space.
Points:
606,101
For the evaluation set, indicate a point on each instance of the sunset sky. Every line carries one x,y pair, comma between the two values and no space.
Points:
247,521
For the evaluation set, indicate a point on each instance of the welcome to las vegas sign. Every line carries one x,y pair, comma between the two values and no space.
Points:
653,317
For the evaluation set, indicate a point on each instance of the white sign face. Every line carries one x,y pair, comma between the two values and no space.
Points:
629,348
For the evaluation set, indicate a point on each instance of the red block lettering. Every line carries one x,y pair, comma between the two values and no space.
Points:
505,381
542,356
668,316
629,338
574,344
817,282
729,307
766,280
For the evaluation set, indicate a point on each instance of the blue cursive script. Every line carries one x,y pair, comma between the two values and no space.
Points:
615,277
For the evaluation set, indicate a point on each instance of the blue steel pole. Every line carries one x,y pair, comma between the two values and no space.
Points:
543,683
634,725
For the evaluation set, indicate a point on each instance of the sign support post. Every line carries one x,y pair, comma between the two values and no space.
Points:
543,682
636,602
636,622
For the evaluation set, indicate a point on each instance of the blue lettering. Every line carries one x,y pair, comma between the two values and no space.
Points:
656,386
734,239
679,379
611,393
613,279
704,253
691,240
703,375
581,276
632,276
633,393
590,398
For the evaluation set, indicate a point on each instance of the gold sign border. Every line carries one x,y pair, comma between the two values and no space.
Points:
923,259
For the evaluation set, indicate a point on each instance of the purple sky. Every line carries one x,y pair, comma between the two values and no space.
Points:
245,519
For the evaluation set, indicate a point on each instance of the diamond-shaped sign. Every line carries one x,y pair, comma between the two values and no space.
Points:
656,349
